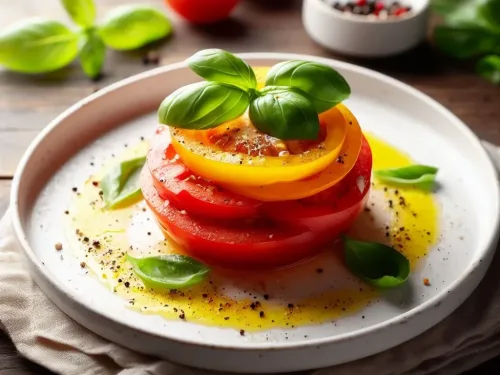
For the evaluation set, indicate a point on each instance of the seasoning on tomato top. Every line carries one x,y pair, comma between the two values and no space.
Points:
246,175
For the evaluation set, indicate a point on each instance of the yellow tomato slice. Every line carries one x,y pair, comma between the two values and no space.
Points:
328,177
234,168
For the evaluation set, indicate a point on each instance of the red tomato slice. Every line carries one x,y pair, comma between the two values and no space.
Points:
333,210
176,183
235,244
203,11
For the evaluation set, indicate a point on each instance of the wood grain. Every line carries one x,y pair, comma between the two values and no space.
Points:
29,103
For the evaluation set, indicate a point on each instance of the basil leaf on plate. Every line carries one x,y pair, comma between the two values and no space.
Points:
284,113
169,271
463,42
323,86
221,66
489,68
120,185
92,53
377,264
37,46
419,176
203,105
133,26
83,12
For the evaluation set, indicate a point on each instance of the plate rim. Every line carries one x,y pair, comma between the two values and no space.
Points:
487,247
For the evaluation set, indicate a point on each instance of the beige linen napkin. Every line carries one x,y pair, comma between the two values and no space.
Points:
45,335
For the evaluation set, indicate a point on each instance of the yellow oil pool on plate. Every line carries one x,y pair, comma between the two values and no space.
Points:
319,290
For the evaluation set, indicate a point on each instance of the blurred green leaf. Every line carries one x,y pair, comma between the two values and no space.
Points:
92,53
490,13
489,68
81,11
133,26
465,42
37,46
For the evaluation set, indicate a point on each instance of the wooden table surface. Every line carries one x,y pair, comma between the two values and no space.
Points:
28,103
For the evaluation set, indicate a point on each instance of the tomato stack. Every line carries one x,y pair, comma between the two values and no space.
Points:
252,214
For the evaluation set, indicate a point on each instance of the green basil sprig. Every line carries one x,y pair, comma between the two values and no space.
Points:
220,66
471,29
41,46
203,105
323,86
377,264
286,108
419,176
120,186
285,113
169,271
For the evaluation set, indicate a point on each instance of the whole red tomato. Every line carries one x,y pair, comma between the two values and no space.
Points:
203,11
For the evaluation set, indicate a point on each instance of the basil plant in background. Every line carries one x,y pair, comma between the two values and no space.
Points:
471,29
40,46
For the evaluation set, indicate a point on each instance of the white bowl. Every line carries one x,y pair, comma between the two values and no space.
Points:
360,36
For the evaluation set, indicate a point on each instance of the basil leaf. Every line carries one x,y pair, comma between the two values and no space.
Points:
465,13
133,26
489,68
490,12
377,264
120,185
324,86
445,7
464,42
169,271
81,11
420,176
37,46
284,113
92,53
221,66
203,105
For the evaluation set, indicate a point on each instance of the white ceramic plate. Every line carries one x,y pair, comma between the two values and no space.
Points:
100,124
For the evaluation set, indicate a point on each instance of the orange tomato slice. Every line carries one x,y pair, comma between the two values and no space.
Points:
328,177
